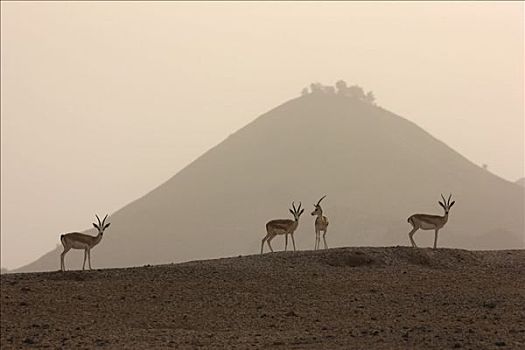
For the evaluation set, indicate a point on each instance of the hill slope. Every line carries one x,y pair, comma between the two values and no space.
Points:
348,298
376,168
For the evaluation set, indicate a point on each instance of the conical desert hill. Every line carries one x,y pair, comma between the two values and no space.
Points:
375,167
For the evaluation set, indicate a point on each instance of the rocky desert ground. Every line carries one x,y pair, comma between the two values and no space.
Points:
345,298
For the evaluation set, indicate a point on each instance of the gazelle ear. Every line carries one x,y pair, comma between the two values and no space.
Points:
302,210
442,205
96,226
291,211
107,225
451,204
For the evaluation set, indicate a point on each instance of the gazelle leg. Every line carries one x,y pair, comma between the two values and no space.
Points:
436,239
262,243
293,241
285,242
268,241
316,240
411,236
324,239
85,257
89,258
62,256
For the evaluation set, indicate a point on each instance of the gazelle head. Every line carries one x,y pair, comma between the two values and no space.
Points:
318,210
101,226
296,212
446,203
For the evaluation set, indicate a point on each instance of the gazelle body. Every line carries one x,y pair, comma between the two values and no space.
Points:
430,222
282,227
321,224
76,240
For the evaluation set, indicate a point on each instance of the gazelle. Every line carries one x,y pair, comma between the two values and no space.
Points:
76,240
321,224
430,222
282,227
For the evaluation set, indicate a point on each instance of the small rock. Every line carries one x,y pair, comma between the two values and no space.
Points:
101,342
29,341
500,343
489,304
291,313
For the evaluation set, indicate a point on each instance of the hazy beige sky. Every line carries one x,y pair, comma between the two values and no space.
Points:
101,102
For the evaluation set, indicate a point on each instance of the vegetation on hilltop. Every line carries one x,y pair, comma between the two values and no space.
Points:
341,88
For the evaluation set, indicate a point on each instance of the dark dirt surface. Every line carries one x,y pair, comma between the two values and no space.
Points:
347,298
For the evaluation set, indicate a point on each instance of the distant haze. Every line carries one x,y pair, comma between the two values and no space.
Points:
102,102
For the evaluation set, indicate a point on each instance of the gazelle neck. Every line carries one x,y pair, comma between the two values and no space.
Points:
98,238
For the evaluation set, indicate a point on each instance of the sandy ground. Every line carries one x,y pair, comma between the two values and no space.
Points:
348,298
